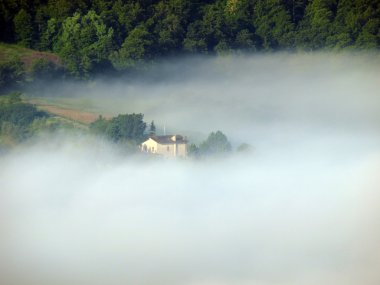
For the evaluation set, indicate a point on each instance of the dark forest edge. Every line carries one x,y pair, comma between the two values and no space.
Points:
93,37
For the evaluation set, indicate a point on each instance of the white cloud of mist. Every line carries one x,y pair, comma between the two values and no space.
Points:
301,209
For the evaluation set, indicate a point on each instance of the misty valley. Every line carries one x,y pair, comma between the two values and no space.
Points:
200,170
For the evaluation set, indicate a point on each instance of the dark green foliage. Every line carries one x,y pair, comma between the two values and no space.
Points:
21,121
123,128
369,37
168,24
49,36
44,69
316,26
193,150
126,127
84,44
8,10
123,17
20,114
15,97
214,26
48,125
273,24
11,73
296,9
152,129
92,35
16,118
195,40
215,144
99,126
23,28
135,50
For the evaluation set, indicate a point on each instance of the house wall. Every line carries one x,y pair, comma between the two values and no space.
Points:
166,149
182,149
149,146
170,150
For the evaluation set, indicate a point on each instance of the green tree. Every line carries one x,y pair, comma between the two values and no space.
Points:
273,24
84,44
43,68
152,129
23,28
193,151
123,128
127,16
195,40
11,73
135,50
215,144
61,9
168,23
316,26
238,25
356,25
16,118
99,126
208,34
214,27
296,8
49,37
128,127
369,37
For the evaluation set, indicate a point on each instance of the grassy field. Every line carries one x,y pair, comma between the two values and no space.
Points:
27,56
73,109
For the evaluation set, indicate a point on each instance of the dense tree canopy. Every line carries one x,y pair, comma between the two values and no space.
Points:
215,145
11,73
84,42
127,127
89,35
16,118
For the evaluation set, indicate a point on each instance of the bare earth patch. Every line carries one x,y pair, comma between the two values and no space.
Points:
71,114
27,56
29,59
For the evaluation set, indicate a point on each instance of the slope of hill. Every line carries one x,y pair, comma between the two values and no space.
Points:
9,52
91,36
19,65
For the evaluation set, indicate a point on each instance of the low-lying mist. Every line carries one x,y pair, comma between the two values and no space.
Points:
302,208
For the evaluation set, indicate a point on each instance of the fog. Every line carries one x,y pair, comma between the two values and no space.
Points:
300,208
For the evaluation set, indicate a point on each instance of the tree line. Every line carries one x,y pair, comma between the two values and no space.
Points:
93,36
20,121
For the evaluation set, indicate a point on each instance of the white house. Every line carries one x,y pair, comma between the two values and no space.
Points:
170,146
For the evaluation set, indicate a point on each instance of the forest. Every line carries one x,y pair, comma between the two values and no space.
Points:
103,35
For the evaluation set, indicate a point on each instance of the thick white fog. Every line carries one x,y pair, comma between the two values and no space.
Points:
301,209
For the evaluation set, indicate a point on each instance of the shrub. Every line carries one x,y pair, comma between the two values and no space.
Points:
43,68
11,73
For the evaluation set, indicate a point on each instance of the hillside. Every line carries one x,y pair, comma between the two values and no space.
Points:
75,112
94,36
20,66
27,56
